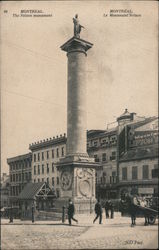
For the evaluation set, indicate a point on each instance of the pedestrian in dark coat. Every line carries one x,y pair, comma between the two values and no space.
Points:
71,211
107,209
98,211
111,207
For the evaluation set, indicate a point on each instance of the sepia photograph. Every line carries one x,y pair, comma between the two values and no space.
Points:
79,124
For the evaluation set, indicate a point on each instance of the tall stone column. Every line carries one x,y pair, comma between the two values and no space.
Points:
76,98
77,169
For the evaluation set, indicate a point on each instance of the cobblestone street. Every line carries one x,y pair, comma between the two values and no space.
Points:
115,233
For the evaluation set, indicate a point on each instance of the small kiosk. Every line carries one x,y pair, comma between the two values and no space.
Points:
35,197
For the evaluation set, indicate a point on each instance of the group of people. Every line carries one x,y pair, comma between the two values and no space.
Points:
108,208
134,204
98,211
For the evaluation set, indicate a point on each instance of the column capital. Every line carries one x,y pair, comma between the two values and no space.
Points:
76,43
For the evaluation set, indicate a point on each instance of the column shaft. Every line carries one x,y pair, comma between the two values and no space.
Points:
76,103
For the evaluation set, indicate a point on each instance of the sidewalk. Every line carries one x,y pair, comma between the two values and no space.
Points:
83,219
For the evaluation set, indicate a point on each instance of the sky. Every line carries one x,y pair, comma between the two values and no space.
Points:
121,67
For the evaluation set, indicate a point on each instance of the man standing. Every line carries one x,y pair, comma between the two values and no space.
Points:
98,211
111,207
107,209
71,211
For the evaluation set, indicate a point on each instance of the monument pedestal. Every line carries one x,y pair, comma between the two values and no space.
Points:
77,181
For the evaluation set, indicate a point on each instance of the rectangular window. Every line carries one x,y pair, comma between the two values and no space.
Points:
42,179
26,176
57,180
47,180
104,157
62,151
96,177
34,180
42,156
134,173
145,171
42,169
53,182
13,177
53,168
155,171
47,154
155,166
34,157
10,178
95,143
38,156
22,176
47,168
52,153
124,174
96,158
34,170
57,152
113,176
57,193
38,169
113,156
104,177
29,176
110,179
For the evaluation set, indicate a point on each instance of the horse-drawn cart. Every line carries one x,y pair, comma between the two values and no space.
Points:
149,210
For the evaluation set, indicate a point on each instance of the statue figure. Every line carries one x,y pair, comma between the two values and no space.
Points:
77,26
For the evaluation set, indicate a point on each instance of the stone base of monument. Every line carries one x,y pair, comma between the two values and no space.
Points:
82,206
77,182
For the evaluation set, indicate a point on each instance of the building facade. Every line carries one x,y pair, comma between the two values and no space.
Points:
4,190
46,154
20,173
138,165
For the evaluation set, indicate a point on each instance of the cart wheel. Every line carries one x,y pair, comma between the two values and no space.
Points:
152,219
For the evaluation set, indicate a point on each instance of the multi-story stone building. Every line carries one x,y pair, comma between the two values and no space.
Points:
46,155
20,174
138,158
4,190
